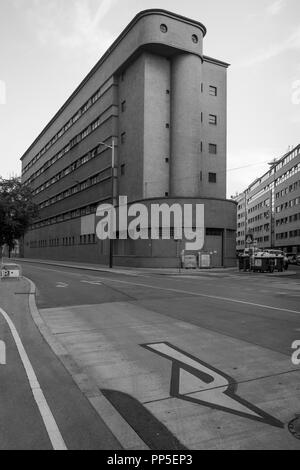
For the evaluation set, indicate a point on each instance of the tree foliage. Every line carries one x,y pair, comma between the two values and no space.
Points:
17,209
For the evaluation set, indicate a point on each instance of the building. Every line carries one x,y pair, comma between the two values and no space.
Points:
270,207
163,103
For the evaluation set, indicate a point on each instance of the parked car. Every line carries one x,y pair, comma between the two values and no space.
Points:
298,260
292,259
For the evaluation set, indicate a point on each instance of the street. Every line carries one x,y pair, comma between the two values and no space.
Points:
186,362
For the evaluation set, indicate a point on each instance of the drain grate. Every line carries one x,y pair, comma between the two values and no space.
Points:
294,427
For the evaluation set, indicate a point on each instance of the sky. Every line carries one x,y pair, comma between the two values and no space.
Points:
48,46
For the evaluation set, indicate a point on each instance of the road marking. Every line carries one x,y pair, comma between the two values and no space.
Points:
62,285
46,414
2,353
197,382
93,283
196,294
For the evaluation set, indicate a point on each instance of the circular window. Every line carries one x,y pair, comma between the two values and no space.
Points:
163,28
195,38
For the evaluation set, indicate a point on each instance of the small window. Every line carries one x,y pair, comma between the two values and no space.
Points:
168,125
212,177
166,194
123,76
123,137
167,92
212,149
213,91
123,169
201,87
213,119
163,28
167,160
195,39
123,106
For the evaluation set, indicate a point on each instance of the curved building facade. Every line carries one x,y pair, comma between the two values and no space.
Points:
162,102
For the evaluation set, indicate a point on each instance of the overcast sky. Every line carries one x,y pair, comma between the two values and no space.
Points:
48,46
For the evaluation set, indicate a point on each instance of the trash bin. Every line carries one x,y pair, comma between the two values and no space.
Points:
279,263
189,262
244,263
204,261
263,262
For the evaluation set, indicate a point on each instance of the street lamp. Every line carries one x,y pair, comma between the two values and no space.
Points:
112,147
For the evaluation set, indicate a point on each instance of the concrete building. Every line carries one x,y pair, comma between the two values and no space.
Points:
270,207
163,103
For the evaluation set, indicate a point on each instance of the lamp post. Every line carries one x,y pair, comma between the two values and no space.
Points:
112,147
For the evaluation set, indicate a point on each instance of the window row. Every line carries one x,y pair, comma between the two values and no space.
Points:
293,171
289,189
91,181
82,135
276,168
288,220
74,214
291,234
288,204
69,169
262,204
65,241
95,97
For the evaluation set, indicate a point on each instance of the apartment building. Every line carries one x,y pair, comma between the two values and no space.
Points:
270,207
162,103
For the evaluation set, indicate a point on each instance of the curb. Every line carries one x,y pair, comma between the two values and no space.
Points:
126,271
123,432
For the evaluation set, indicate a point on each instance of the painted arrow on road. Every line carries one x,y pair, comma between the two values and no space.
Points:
62,285
2,353
197,382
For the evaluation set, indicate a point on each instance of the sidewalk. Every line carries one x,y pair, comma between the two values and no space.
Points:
131,271
125,270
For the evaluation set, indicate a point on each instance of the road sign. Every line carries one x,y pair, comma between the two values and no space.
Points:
197,382
10,271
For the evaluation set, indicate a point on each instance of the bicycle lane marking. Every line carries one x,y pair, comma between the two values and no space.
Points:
46,414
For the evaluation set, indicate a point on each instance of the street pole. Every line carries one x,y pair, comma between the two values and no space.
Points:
111,241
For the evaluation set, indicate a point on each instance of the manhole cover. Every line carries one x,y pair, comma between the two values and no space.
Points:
294,427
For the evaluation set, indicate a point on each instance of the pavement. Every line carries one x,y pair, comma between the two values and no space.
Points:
138,271
161,362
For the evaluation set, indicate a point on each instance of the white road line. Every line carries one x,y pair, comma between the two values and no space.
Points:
48,419
215,297
2,353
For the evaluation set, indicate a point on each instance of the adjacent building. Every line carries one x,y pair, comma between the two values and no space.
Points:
270,207
162,102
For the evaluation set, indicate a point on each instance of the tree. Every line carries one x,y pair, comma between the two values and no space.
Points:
17,209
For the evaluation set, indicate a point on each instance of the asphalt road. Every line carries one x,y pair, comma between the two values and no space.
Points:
188,362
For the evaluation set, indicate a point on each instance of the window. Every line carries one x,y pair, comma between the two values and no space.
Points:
123,169
212,177
195,38
163,28
123,137
167,92
212,148
123,106
123,76
167,160
213,91
213,119
168,125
